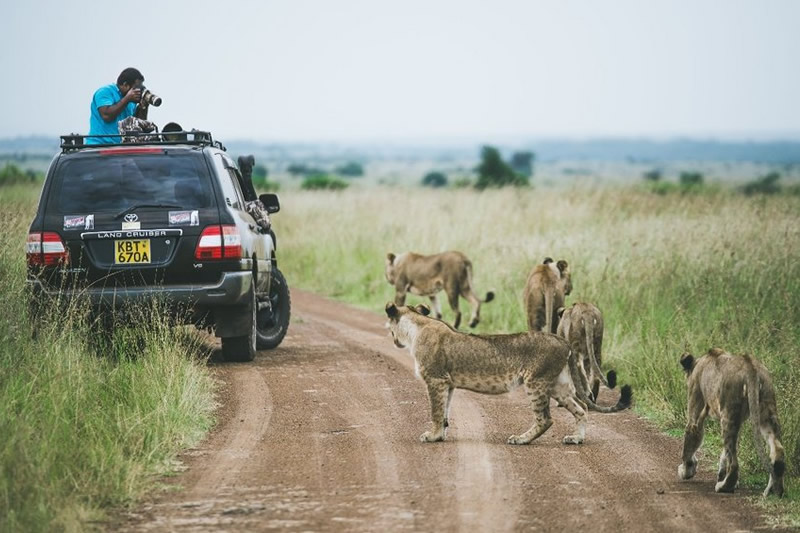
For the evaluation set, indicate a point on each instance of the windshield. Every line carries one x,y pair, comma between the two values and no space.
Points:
116,182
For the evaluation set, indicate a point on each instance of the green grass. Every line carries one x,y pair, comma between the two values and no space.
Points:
82,431
670,272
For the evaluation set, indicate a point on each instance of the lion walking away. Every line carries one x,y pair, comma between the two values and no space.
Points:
545,290
427,275
731,388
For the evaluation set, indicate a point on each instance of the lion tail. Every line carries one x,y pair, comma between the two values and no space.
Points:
609,381
581,383
753,399
489,295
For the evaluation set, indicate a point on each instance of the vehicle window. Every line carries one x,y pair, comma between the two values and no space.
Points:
114,182
230,187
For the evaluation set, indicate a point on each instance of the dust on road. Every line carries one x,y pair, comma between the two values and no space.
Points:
321,434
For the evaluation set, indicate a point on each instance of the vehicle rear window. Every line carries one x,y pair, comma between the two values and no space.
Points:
114,182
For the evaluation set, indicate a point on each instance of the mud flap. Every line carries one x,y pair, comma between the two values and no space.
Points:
233,321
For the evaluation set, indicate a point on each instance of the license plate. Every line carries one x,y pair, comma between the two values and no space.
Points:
132,251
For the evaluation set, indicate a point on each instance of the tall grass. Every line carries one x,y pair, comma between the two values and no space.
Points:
79,430
670,272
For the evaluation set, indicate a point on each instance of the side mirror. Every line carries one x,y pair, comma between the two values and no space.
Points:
271,202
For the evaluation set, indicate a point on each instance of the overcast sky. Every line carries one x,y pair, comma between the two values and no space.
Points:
412,70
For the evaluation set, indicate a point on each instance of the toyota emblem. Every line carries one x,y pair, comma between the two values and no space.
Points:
131,217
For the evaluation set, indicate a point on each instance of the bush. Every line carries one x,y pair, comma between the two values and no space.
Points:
323,181
263,184
11,174
764,185
652,175
434,179
691,178
351,169
494,172
298,169
260,172
522,163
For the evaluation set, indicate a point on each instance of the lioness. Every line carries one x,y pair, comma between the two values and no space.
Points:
545,290
582,326
731,388
426,275
494,364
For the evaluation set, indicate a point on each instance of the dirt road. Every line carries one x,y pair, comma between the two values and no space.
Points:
322,435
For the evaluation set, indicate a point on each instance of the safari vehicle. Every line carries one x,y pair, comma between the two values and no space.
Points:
120,224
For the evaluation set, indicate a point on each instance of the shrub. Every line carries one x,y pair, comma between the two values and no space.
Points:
260,172
652,175
323,181
691,178
522,163
11,174
263,184
351,169
494,172
767,184
434,179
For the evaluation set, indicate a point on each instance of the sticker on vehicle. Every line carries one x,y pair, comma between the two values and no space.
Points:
78,222
132,225
184,218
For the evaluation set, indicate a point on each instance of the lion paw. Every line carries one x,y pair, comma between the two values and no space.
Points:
429,436
517,439
572,439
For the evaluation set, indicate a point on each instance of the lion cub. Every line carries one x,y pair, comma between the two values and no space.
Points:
545,290
731,388
582,326
494,364
426,275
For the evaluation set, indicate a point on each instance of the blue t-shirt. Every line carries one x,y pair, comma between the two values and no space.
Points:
107,95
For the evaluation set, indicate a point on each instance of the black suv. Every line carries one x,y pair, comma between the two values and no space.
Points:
120,224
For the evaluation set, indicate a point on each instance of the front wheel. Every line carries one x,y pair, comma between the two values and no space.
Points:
272,321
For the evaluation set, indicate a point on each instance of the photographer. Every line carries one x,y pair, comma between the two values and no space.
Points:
113,103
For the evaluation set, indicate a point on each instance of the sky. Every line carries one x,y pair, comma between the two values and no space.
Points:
412,70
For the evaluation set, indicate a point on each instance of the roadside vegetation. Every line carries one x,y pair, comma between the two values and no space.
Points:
671,273
82,429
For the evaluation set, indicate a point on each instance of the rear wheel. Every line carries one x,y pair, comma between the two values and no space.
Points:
272,321
243,348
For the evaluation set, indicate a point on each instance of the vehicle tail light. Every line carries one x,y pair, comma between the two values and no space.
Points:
219,242
46,248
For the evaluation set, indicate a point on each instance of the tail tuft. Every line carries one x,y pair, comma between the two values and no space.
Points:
626,397
611,377
489,297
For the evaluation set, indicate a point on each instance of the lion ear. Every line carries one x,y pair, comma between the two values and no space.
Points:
390,257
391,310
547,260
562,266
687,362
560,312
423,309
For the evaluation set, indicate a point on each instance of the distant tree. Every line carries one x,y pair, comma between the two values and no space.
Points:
11,174
522,163
323,181
652,175
260,172
691,178
767,184
351,169
299,169
434,179
494,172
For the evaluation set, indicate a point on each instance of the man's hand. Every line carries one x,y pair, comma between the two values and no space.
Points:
133,95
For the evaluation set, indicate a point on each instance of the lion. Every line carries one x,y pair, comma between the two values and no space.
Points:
731,388
426,275
582,326
547,286
447,359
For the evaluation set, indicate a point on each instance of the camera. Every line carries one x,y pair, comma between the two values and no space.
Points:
148,97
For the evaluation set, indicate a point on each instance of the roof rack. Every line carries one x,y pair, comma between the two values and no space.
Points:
74,142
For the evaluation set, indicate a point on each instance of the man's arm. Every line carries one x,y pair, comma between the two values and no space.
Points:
109,113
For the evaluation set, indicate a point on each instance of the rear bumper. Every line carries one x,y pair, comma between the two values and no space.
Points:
232,289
